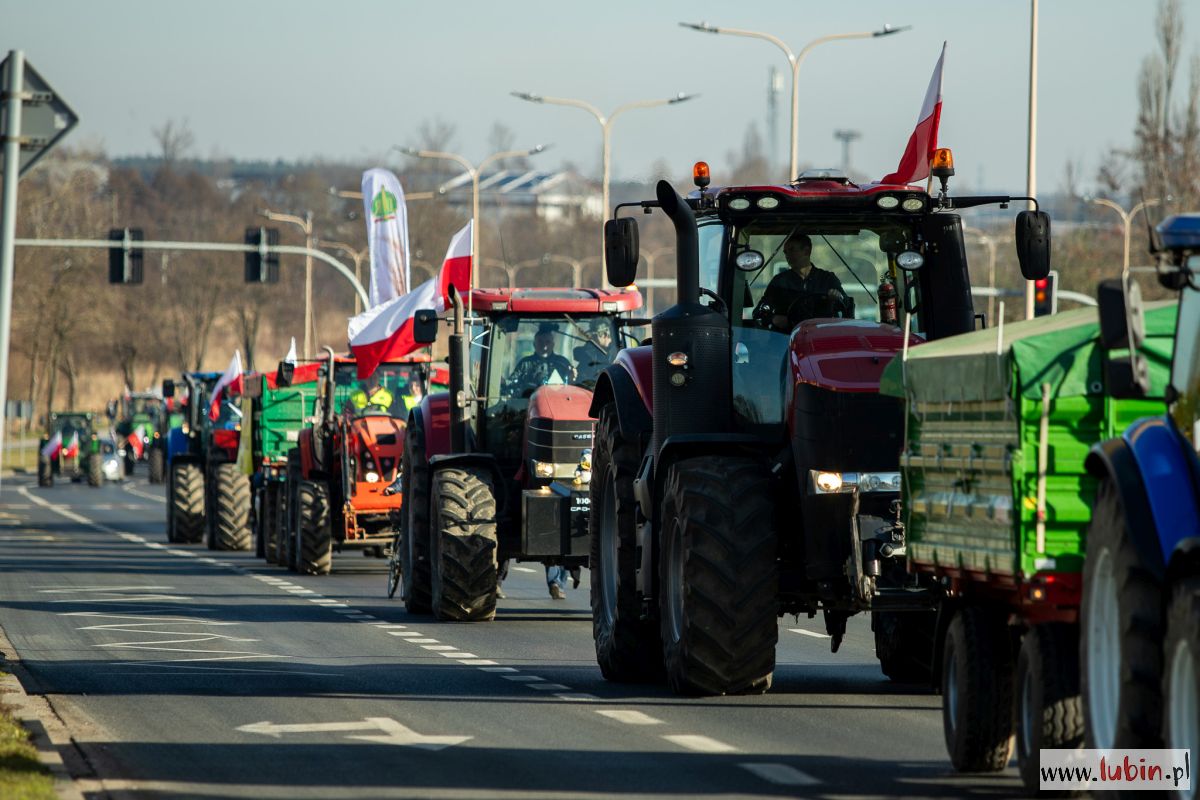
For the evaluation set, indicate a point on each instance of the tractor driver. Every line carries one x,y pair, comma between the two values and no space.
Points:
787,291
542,366
374,399
597,352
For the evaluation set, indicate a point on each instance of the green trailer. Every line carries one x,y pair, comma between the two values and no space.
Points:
995,505
280,413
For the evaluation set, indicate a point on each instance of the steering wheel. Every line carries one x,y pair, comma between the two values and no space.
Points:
723,308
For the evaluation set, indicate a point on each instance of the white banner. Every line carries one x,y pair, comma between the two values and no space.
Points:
387,235
1116,770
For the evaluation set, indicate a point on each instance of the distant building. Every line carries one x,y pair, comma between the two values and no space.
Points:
551,195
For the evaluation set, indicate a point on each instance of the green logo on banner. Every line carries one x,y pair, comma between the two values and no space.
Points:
383,206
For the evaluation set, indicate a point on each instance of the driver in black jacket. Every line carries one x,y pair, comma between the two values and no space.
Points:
786,291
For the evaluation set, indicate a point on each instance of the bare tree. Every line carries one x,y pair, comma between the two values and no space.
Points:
174,140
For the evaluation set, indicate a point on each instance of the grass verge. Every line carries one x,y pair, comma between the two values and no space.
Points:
22,776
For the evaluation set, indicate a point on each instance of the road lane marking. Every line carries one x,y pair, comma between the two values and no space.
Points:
549,687
628,716
813,634
780,774
403,633
386,625
136,493
523,569
392,732
491,668
424,641
458,654
482,663
578,697
522,678
437,646
700,744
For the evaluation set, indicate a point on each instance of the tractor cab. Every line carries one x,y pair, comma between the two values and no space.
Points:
390,391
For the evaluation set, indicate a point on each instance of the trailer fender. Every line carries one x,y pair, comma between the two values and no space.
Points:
1114,459
617,385
433,415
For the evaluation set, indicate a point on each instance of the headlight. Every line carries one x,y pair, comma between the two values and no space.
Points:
543,469
371,477
551,469
913,204
821,482
887,201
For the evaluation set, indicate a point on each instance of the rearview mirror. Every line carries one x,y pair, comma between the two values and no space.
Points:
425,326
621,250
168,388
1033,244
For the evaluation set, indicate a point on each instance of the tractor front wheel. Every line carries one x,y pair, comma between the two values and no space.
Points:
231,514
157,464
1181,678
315,556
268,523
464,565
95,469
45,472
415,573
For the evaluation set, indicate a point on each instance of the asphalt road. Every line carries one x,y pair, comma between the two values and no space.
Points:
185,673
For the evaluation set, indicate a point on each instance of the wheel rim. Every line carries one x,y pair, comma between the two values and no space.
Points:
608,553
1028,721
1183,721
1103,651
674,587
951,694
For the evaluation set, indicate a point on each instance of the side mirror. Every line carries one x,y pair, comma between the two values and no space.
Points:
425,326
1033,244
111,409
284,374
621,250
749,260
168,388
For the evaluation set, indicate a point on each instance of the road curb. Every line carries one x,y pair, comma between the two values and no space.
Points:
34,715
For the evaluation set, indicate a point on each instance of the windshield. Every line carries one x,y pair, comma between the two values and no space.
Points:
391,391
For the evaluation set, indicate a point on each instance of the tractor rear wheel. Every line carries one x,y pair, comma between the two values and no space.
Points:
415,574
187,502
1121,634
628,647
904,644
977,691
95,469
718,577
268,523
157,464
316,537
464,545
289,512
231,512
1049,711
1181,679
45,471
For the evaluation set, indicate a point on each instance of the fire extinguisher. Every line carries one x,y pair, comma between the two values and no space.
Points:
887,302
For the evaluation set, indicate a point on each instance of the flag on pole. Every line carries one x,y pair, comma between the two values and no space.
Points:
291,353
914,164
387,235
71,449
53,446
231,380
385,332
135,440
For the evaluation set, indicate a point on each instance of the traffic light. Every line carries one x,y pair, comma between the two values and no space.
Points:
262,265
1045,294
124,257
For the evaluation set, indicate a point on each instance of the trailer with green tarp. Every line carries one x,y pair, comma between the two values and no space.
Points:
995,504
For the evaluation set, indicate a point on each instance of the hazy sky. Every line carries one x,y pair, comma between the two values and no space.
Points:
346,80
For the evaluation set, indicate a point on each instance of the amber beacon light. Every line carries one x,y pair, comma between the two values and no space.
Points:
700,174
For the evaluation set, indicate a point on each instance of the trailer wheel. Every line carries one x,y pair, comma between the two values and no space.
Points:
463,557
45,472
416,578
316,535
269,522
977,691
231,512
628,647
1049,710
157,465
1121,635
187,502
718,577
1181,678
95,469
904,644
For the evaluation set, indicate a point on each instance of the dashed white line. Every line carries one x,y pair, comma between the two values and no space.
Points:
549,687
457,654
424,641
628,716
482,663
813,634
522,678
407,634
700,744
780,774
490,668
578,697
389,625
437,646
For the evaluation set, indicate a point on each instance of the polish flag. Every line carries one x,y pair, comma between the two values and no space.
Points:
231,380
291,353
71,450
135,440
53,446
384,332
914,165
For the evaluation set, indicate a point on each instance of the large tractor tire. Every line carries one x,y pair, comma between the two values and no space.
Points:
289,512
156,464
1181,679
45,471
718,577
128,463
1049,710
1121,635
94,469
977,691
230,516
904,643
415,574
187,503
464,568
316,535
628,647
268,523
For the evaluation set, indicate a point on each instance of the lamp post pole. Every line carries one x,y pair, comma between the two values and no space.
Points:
305,224
1127,221
794,61
357,257
988,241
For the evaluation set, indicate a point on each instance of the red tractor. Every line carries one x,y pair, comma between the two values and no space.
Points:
337,475
498,468
745,464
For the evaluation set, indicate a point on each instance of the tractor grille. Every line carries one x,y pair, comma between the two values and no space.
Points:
558,441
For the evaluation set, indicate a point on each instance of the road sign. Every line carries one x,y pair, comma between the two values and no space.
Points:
45,118
390,732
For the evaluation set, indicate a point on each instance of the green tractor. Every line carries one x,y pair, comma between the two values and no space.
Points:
140,419
70,447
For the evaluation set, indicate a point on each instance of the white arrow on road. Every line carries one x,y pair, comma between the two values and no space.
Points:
391,732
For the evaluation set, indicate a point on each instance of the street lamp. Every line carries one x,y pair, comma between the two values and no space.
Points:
1127,219
305,224
794,60
474,171
357,256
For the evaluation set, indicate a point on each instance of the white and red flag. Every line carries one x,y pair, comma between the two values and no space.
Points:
914,164
136,442
53,446
384,332
291,353
230,381
71,448
387,235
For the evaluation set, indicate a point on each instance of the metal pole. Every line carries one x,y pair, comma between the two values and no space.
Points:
8,222
1031,159
308,315
474,241
794,163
